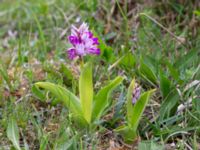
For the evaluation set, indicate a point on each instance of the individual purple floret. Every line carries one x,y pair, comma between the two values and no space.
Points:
83,42
136,94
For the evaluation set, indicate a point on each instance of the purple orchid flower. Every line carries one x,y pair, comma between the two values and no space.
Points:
83,42
136,94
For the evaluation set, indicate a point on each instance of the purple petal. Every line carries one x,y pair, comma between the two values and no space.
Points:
71,53
74,40
95,41
90,34
134,100
137,94
95,51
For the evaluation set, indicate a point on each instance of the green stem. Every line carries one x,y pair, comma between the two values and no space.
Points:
82,62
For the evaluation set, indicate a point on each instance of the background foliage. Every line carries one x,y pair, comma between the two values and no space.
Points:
157,42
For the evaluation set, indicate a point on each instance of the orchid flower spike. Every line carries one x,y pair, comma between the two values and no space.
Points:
136,94
83,42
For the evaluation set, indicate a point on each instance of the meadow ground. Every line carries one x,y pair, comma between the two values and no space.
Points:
156,42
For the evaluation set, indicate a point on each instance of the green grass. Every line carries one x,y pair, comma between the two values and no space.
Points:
161,53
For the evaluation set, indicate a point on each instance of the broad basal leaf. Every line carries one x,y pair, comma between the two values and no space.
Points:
101,99
128,134
63,95
138,109
86,91
129,105
38,93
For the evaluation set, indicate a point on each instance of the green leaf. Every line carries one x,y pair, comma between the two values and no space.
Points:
173,71
150,145
165,85
66,145
13,133
43,142
106,51
129,105
38,93
175,130
66,72
134,112
86,91
147,72
4,74
127,133
116,62
152,62
128,61
66,97
197,12
138,109
186,59
101,99
170,104
196,104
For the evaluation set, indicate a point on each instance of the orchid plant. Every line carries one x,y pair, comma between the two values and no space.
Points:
136,103
88,107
